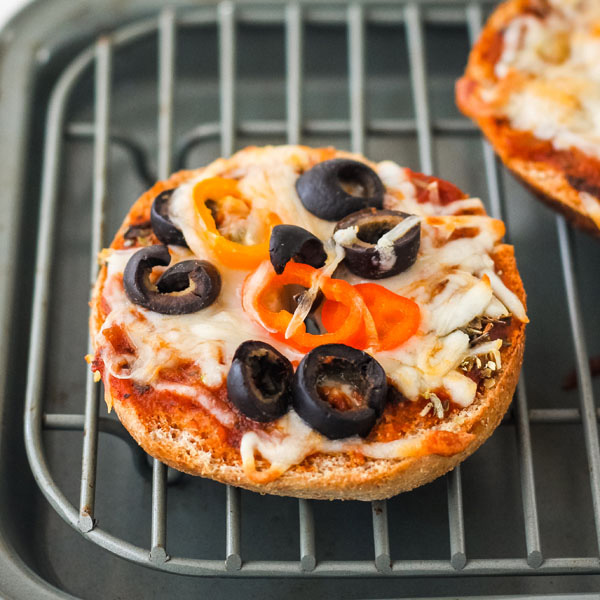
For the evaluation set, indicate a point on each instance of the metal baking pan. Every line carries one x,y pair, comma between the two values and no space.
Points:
99,99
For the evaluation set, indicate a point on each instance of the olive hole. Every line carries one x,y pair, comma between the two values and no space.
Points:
175,282
268,374
371,232
163,209
355,183
341,385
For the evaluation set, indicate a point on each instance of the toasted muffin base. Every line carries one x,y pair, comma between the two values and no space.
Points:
319,476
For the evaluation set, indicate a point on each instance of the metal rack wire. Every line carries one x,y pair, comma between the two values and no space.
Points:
226,16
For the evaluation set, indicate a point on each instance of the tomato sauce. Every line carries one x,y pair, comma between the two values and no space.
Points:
402,417
463,232
168,411
119,340
150,402
581,171
447,192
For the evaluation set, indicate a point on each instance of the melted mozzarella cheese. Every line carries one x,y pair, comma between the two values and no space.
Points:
395,178
294,440
474,205
508,298
495,309
459,302
204,399
347,236
385,244
462,389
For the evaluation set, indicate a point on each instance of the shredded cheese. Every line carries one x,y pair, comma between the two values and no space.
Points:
506,296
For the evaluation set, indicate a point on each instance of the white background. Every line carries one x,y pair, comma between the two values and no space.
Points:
8,8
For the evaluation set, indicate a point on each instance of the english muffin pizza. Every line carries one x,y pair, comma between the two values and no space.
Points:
306,322
533,86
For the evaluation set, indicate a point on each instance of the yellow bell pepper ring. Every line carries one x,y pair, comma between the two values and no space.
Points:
231,254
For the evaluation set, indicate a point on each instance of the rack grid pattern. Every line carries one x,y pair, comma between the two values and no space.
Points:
226,15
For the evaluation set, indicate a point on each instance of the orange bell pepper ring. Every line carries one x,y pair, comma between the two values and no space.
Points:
225,192
261,299
396,318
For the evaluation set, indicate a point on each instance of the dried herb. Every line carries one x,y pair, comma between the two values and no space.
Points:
480,328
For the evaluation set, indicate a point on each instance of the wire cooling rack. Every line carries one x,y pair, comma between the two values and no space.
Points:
225,17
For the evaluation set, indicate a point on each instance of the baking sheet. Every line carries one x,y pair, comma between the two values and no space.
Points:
418,520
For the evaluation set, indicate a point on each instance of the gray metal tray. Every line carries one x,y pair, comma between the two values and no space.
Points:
80,125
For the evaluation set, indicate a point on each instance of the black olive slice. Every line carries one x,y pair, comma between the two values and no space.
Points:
339,391
366,256
162,225
186,287
292,242
259,381
335,188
